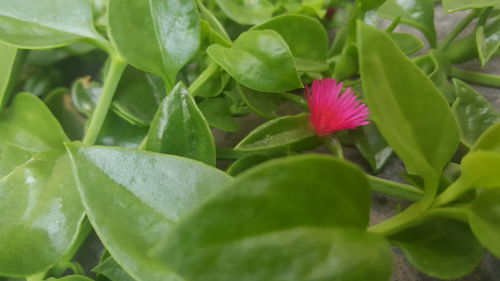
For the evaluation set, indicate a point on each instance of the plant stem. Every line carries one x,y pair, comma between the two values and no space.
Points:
333,144
395,189
410,217
455,213
453,192
476,77
459,28
204,76
113,76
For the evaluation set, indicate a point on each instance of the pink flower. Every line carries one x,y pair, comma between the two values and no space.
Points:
333,110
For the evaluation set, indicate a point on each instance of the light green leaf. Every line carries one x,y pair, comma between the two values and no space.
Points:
451,6
488,41
484,219
489,140
166,34
132,206
480,169
180,128
112,270
260,60
8,56
247,12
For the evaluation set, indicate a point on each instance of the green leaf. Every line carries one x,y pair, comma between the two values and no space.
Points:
133,204
85,95
213,22
60,104
488,41
263,104
41,214
305,36
484,219
419,14
299,218
179,128
118,132
218,114
451,6
112,270
473,112
8,57
408,43
405,105
260,60
210,83
245,163
443,248
247,12
371,145
489,140
166,34
46,24
138,96
293,132
71,278
371,4
480,169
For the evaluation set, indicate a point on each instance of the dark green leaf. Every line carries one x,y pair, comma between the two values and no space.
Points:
298,218
245,163
260,60
247,12
85,95
133,204
46,24
165,34
372,146
484,219
218,115
73,123
41,214
419,14
118,132
112,270
293,132
263,104
441,248
473,112
179,128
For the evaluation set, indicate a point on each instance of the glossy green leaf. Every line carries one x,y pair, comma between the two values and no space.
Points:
112,270
305,36
371,145
166,33
214,23
247,12
441,248
210,83
473,112
489,140
143,197
118,132
408,43
299,218
281,133
480,169
85,95
451,6
41,214
8,57
484,219
45,24
138,96
218,114
60,104
398,93
419,14
180,128
260,60
488,41
263,104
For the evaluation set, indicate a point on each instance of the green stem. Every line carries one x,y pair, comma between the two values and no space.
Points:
452,193
36,277
113,76
476,77
394,24
333,144
204,76
452,212
458,29
410,217
395,189
296,99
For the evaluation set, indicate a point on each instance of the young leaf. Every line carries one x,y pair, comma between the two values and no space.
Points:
8,57
473,112
419,14
489,140
298,218
451,6
484,219
260,60
247,12
166,34
46,24
60,104
118,132
443,248
41,214
281,133
405,105
480,169
488,41
179,128
135,203
112,270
